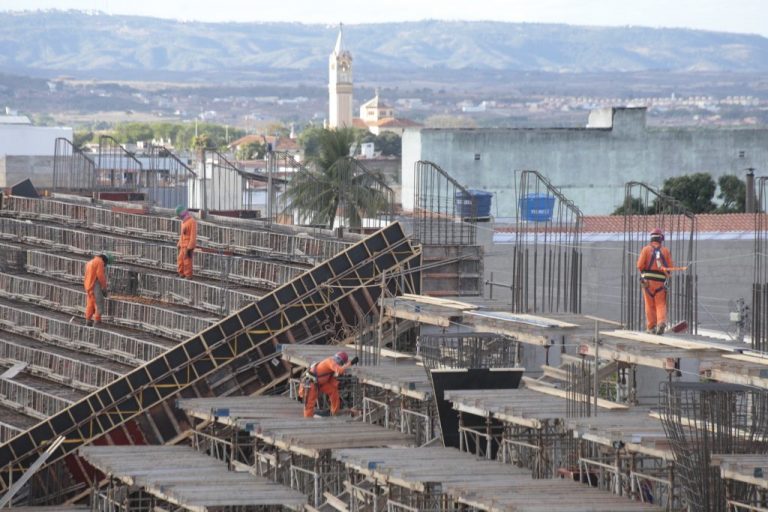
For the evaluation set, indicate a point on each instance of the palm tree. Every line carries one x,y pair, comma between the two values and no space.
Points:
335,184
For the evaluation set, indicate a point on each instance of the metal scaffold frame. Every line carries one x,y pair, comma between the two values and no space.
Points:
343,289
547,263
645,209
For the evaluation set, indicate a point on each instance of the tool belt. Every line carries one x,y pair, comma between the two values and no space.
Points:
652,275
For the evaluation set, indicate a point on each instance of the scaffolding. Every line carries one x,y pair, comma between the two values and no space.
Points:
243,342
760,284
644,210
547,262
73,170
705,419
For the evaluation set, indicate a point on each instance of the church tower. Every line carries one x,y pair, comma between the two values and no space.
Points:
340,85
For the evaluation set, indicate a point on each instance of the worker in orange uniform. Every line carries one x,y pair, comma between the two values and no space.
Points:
322,378
95,284
654,263
187,242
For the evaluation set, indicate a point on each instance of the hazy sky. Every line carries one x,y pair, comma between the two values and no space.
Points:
747,16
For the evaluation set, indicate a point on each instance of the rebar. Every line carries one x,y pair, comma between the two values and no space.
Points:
167,180
73,170
547,262
702,419
760,283
467,350
644,210
116,168
580,389
444,211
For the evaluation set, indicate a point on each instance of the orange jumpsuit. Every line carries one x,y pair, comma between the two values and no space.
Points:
652,264
94,272
187,242
325,372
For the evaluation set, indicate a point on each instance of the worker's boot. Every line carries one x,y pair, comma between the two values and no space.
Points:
650,330
661,328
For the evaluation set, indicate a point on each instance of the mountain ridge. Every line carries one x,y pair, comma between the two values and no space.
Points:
52,42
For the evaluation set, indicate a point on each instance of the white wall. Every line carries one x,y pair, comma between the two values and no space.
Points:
26,140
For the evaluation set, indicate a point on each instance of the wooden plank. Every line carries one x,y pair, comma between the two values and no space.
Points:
520,318
605,404
669,341
435,301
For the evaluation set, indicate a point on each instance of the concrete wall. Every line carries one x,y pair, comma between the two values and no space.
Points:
14,169
590,164
30,140
724,267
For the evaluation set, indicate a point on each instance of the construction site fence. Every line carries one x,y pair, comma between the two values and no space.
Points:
301,248
154,319
47,328
216,265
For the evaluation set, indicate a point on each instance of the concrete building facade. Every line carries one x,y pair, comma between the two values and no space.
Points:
26,151
591,165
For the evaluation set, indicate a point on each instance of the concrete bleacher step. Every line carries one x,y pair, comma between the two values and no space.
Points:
36,397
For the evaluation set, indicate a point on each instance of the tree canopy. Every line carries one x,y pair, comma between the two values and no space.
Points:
334,184
694,191
733,193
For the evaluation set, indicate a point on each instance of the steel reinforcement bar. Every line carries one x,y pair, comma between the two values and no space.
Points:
58,367
331,298
213,298
305,249
217,265
155,319
30,401
94,340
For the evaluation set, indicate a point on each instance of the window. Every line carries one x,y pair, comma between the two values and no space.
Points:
477,156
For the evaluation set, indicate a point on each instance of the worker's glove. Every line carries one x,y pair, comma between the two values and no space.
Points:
189,253
104,293
354,360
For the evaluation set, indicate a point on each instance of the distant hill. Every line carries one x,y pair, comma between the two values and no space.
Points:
72,42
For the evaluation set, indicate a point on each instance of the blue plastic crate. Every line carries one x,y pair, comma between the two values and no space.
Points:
537,207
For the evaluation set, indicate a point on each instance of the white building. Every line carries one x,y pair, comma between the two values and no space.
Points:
26,151
339,85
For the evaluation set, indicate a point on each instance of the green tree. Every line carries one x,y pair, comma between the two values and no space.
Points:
694,191
389,143
252,150
82,137
733,193
128,133
332,180
631,206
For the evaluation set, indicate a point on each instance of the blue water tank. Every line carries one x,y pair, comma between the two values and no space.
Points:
482,201
537,207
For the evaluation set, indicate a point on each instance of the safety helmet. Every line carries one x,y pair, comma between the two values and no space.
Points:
108,258
180,210
657,233
341,357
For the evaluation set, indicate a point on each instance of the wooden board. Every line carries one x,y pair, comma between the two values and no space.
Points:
520,318
669,341
435,301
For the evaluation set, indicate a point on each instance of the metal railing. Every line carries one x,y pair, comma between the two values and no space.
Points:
116,168
73,170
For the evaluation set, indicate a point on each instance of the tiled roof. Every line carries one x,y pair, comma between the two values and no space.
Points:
704,223
391,122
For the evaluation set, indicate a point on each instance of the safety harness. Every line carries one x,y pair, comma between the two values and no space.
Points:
659,273
310,377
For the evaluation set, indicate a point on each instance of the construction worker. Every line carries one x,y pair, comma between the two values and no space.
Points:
654,264
95,284
322,378
187,242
